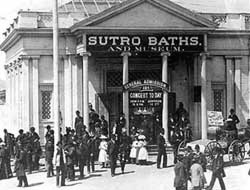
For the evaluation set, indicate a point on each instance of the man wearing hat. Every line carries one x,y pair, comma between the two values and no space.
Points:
91,152
112,153
36,148
3,162
217,170
59,161
20,165
161,143
78,121
180,180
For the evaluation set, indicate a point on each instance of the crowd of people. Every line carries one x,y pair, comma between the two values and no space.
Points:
191,165
26,150
79,148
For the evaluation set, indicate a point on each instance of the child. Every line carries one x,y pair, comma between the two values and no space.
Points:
134,150
103,151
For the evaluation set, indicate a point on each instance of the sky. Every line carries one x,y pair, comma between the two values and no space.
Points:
9,9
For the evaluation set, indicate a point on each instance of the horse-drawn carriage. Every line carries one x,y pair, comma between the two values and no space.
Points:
234,143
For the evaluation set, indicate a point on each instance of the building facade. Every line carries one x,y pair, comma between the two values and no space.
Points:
137,57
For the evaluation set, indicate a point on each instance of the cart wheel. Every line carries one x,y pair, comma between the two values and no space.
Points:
210,151
236,151
181,147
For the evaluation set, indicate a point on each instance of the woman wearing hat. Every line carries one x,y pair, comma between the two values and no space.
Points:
134,150
143,153
103,158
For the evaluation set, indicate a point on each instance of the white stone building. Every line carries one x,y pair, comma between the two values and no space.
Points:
202,54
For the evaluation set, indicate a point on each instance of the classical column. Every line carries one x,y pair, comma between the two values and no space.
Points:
85,88
68,99
230,83
22,94
11,96
125,102
26,92
238,88
165,56
16,97
203,96
35,92
8,93
19,111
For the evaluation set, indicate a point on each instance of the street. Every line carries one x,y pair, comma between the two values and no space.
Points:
135,178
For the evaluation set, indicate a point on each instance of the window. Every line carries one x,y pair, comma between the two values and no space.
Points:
218,97
114,78
2,97
46,103
218,104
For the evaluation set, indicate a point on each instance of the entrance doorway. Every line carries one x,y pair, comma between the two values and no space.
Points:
147,121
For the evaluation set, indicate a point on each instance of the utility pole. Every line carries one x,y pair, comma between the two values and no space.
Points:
55,71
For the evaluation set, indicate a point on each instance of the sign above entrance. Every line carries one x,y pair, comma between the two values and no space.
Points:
146,84
145,43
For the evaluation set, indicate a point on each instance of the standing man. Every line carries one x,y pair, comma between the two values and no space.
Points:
78,122
9,142
235,120
104,126
49,152
36,148
218,170
20,165
60,165
180,180
91,152
161,143
112,153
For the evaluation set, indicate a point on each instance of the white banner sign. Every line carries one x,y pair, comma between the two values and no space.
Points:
215,118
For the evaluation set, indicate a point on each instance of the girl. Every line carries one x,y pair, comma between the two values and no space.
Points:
103,151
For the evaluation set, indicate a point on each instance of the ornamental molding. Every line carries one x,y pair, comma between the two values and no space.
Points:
218,19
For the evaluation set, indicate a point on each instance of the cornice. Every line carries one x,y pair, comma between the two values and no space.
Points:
16,35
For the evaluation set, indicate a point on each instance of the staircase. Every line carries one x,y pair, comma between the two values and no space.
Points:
152,149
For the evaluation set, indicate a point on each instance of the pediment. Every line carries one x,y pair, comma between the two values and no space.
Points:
146,14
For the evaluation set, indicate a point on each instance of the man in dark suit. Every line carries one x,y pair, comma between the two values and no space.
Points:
218,170
112,153
161,143
78,122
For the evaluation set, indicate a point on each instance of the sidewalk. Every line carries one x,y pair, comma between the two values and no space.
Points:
135,178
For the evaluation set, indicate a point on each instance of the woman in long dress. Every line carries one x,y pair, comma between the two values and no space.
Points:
143,153
134,150
103,158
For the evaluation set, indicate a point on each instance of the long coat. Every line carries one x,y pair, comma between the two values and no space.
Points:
20,163
180,175
218,165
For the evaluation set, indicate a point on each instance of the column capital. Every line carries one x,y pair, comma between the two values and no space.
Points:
28,57
125,53
233,57
165,53
206,54
34,57
85,54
